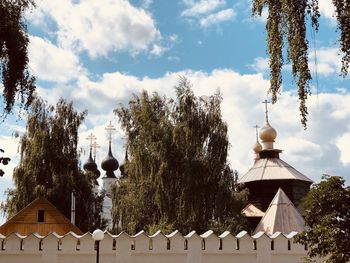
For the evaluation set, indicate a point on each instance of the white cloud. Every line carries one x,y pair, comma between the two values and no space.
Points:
52,63
207,12
99,27
158,50
174,58
260,64
219,17
328,61
343,144
326,8
301,147
146,3
173,38
196,8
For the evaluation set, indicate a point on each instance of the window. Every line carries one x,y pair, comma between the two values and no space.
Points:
41,216
78,245
168,244
150,244
114,244
254,245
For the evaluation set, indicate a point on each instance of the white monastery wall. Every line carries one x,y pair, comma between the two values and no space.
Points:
173,248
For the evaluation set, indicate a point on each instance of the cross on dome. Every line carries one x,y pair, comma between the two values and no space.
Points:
257,146
266,111
110,128
94,147
91,138
256,132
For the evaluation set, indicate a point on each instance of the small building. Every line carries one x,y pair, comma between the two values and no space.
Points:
269,173
253,215
41,217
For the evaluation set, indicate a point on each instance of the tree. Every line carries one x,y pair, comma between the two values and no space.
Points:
286,27
327,208
16,78
49,164
177,170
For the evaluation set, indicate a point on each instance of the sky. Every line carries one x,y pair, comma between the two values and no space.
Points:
99,53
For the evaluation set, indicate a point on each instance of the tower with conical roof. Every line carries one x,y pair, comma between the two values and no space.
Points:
281,216
269,172
110,165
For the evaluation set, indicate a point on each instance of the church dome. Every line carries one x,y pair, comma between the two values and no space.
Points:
257,147
122,167
90,165
97,174
110,164
267,133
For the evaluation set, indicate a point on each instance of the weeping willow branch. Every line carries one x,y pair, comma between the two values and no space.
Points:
342,11
286,26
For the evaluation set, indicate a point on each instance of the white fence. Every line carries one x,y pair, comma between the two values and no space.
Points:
173,248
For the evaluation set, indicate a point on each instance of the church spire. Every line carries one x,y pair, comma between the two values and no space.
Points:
257,146
90,165
110,164
94,149
266,111
267,134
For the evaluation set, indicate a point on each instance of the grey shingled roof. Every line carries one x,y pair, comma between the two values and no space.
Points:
272,169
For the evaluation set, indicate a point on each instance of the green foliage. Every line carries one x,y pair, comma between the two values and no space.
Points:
49,164
16,78
286,27
177,172
327,208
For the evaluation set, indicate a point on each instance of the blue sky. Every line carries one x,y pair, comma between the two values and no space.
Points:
97,53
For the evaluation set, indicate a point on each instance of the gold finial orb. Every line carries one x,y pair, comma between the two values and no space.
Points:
267,133
257,147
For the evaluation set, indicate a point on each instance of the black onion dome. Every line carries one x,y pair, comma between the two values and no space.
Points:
122,170
90,165
122,167
97,173
110,164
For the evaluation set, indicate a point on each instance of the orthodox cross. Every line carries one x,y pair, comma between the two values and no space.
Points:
266,111
256,132
110,128
94,147
91,138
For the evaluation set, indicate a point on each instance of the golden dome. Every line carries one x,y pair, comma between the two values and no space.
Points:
267,133
257,147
